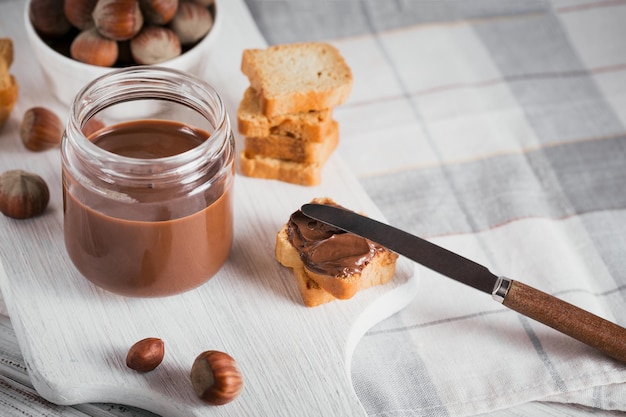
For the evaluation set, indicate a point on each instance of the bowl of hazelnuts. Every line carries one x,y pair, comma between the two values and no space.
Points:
76,41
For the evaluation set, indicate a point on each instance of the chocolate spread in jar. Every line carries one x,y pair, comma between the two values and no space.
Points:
145,244
327,250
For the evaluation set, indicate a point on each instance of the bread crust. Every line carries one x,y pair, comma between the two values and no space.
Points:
5,77
8,98
6,51
300,173
310,126
8,84
297,77
294,149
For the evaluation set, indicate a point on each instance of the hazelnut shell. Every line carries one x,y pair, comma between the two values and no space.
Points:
22,194
92,48
78,12
216,378
153,45
191,23
48,17
41,129
118,19
158,12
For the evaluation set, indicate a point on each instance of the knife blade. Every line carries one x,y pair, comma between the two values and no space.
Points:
564,317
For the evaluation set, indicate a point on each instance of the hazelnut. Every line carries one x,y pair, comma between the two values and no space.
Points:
191,23
146,354
41,129
118,19
22,194
78,12
48,17
91,47
158,12
216,378
154,44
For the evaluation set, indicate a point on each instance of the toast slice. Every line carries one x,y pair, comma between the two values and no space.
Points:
293,149
8,83
6,80
6,51
297,77
309,126
8,97
317,288
300,173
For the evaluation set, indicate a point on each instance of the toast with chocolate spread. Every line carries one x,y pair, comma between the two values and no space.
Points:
328,263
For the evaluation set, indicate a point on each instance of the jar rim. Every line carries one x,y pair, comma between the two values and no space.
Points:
97,95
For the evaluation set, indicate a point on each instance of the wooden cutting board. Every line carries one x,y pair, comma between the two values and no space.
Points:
74,336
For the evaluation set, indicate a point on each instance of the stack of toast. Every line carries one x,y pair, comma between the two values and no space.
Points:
286,113
8,84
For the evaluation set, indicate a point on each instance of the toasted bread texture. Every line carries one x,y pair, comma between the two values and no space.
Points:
5,77
295,127
8,84
8,98
6,51
316,288
293,149
300,173
311,126
297,77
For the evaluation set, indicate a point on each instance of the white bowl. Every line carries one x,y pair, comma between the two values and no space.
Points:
66,76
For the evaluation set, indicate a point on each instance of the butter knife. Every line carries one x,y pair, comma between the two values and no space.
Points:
573,321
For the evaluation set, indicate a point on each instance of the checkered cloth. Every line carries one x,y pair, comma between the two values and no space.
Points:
495,129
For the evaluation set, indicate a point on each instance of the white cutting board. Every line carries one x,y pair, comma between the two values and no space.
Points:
295,360
74,337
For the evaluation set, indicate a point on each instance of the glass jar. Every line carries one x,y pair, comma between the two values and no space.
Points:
148,169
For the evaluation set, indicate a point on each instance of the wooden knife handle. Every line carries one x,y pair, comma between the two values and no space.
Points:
567,318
